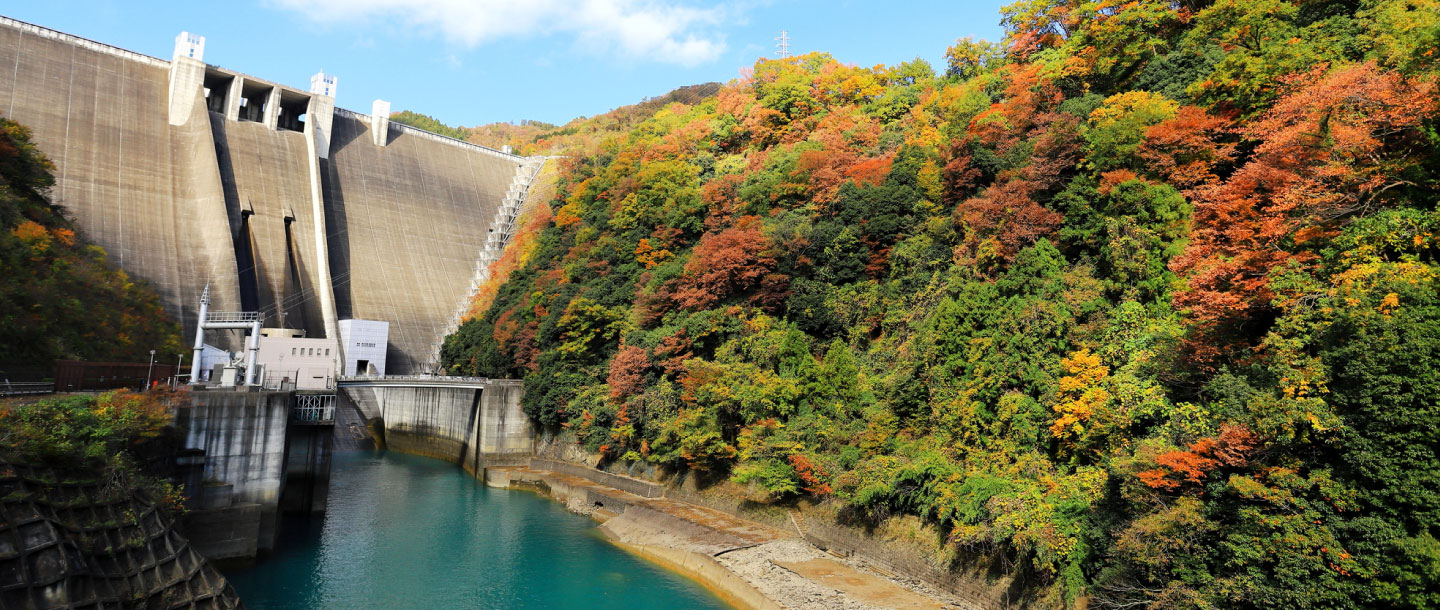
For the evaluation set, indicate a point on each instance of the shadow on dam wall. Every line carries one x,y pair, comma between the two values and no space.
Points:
189,174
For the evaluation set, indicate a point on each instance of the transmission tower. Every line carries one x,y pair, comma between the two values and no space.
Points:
784,44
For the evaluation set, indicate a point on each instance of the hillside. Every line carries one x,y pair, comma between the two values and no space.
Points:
1141,302
539,138
61,297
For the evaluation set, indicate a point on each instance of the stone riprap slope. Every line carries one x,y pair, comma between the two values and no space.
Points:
68,540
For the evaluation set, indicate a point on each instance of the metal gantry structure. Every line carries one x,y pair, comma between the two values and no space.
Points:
783,44
226,320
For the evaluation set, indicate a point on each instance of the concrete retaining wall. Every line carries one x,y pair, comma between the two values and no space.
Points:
984,588
243,437
644,489
469,426
988,591
72,542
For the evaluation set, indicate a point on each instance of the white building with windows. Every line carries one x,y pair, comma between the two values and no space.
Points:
308,364
365,342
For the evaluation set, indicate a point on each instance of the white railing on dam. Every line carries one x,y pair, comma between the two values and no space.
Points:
354,381
99,47
429,135
436,378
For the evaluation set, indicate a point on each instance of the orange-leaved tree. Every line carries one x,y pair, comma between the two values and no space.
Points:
1338,145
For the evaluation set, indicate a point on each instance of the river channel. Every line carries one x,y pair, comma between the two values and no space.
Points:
409,532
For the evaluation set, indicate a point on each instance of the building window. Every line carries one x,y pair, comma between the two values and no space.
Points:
292,351
327,351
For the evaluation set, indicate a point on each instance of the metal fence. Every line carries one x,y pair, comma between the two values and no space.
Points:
232,316
77,376
21,388
280,381
434,378
313,409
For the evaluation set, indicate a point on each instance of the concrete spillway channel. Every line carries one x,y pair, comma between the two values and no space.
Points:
190,174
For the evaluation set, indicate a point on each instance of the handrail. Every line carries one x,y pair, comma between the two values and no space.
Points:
433,136
233,316
438,378
16,388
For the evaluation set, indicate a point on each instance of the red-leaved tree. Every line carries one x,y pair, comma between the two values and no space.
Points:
725,263
1329,150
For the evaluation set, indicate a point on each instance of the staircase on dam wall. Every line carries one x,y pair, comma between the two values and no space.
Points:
502,228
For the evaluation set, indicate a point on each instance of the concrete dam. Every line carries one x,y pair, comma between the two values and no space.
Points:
190,175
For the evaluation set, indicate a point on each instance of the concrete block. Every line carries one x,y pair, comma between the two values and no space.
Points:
380,122
187,80
272,109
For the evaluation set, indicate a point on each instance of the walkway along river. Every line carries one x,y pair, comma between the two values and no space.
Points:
410,532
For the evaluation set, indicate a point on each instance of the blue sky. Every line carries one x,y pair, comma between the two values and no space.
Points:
470,62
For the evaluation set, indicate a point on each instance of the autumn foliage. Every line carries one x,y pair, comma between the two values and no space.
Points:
61,297
1141,304
1231,448
1331,148
724,263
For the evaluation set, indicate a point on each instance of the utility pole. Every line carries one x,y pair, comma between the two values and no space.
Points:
149,370
784,44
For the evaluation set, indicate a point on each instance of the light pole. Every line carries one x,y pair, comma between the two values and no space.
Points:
175,379
149,370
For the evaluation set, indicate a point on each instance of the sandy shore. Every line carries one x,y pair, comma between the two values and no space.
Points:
750,565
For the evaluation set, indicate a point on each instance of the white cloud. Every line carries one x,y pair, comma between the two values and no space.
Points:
657,30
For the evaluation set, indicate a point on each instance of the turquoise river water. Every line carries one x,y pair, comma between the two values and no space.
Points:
409,532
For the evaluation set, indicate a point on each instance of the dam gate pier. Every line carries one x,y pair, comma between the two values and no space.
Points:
249,456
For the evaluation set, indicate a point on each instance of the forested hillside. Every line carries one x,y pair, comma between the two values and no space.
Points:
538,137
59,296
1142,300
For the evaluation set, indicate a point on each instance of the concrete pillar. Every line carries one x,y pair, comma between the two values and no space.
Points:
232,98
320,115
380,122
503,425
253,354
187,76
272,109
325,287
200,336
308,455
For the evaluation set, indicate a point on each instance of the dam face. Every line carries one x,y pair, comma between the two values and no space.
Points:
190,175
